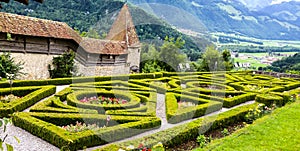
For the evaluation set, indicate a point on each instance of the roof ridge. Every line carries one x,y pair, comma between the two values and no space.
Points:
34,18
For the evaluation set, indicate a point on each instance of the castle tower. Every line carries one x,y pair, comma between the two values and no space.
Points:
123,29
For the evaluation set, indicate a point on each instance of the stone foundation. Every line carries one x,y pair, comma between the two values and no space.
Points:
35,65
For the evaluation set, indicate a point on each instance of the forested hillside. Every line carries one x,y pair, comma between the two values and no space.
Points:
98,15
287,64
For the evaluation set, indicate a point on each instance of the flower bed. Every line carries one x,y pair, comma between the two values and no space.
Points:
103,100
79,127
8,98
185,104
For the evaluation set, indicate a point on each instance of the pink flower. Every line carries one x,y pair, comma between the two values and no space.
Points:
108,118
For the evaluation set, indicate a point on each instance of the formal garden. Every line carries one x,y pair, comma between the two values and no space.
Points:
160,110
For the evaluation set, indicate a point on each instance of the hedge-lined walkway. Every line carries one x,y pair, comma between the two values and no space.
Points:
160,112
278,131
29,142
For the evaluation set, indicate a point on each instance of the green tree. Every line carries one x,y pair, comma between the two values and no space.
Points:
164,58
64,66
213,60
92,33
149,59
227,61
170,55
8,66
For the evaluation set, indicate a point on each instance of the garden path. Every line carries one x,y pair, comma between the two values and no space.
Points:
29,142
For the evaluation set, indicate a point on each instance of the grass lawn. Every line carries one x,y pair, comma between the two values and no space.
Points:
254,63
278,131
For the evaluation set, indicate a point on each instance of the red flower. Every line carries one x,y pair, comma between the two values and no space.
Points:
141,145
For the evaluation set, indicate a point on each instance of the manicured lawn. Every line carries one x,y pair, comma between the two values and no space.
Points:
278,131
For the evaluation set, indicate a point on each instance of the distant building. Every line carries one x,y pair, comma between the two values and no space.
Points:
36,41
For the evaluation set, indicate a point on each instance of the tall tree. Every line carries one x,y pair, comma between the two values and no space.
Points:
165,58
213,60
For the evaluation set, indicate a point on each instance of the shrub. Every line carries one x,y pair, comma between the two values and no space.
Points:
9,66
225,132
63,65
202,140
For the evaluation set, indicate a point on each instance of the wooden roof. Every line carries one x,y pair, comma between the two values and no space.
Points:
24,25
122,25
98,46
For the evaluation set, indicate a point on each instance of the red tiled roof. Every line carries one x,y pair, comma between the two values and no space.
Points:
23,25
99,46
118,29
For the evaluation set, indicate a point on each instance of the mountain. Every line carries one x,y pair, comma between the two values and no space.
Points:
284,12
228,16
256,4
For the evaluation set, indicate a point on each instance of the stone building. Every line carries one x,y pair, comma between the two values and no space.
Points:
36,41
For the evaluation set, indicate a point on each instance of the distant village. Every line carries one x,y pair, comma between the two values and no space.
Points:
267,59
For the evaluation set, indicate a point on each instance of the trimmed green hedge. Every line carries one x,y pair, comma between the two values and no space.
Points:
46,126
223,87
67,81
237,97
236,100
73,100
149,109
18,91
189,131
269,99
21,104
54,105
176,115
160,88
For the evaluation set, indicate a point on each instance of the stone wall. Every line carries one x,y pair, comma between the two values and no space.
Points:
102,70
134,56
35,65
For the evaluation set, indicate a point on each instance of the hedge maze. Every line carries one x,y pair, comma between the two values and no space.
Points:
123,106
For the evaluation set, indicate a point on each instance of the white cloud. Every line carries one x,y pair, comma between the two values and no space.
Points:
280,1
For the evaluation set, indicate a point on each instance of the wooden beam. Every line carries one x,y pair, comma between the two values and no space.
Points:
48,43
25,44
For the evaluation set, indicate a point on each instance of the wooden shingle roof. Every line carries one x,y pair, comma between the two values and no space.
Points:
98,46
118,29
24,25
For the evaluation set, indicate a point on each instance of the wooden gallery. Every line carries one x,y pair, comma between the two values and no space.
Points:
36,41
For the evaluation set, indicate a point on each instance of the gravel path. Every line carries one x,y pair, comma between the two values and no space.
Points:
28,142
